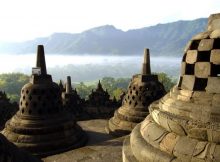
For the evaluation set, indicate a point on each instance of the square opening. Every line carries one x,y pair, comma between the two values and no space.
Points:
216,44
189,69
200,84
215,70
195,45
203,56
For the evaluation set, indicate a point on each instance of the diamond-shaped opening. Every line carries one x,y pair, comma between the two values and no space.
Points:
189,69
30,97
22,111
26,104
194,45
22,91
144,104
130,102
27,91
203,56
135,104
216,44
133,97
200,84
23,97
140,98
134,88
136,92
21,103
215,70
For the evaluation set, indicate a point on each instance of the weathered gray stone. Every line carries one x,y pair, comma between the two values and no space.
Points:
202,69
206,45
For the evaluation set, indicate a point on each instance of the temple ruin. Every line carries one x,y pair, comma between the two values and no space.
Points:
185,124
143,89
41,126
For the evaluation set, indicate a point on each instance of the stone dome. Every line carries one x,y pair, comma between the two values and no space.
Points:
41,126
143,89
184,125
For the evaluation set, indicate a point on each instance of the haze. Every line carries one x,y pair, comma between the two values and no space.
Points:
27,19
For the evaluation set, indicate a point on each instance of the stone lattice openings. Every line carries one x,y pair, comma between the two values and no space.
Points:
184,126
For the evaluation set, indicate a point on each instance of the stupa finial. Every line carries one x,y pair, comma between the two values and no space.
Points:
146,64
68,85
41,63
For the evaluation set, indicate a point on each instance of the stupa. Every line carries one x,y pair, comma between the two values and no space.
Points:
99,104
143,89
184,126
7,109
41,126
71,100
99,97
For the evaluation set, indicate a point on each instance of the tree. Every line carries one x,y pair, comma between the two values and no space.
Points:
12,83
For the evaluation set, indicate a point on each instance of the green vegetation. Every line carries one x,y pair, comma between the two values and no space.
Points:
115,86
12,83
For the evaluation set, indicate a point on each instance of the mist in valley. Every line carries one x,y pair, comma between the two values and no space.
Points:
88,68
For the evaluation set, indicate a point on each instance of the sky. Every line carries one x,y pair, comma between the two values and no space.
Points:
22,20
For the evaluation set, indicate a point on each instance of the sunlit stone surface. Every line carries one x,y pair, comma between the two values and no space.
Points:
184,126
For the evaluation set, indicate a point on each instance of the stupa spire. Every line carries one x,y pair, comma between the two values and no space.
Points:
146,64
68,85
41,63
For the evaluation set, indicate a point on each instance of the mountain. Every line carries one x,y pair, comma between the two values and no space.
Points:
163,40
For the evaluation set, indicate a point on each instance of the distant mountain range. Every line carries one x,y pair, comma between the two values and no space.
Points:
163,40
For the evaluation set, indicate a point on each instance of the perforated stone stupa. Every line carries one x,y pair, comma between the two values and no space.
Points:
71,100
184,126
41,125
143,89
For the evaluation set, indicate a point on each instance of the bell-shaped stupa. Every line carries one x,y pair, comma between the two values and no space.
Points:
41,126
143,89
71,100
184,126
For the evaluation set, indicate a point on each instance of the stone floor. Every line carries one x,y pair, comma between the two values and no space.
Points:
101,147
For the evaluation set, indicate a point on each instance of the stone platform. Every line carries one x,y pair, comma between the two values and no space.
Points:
101,147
